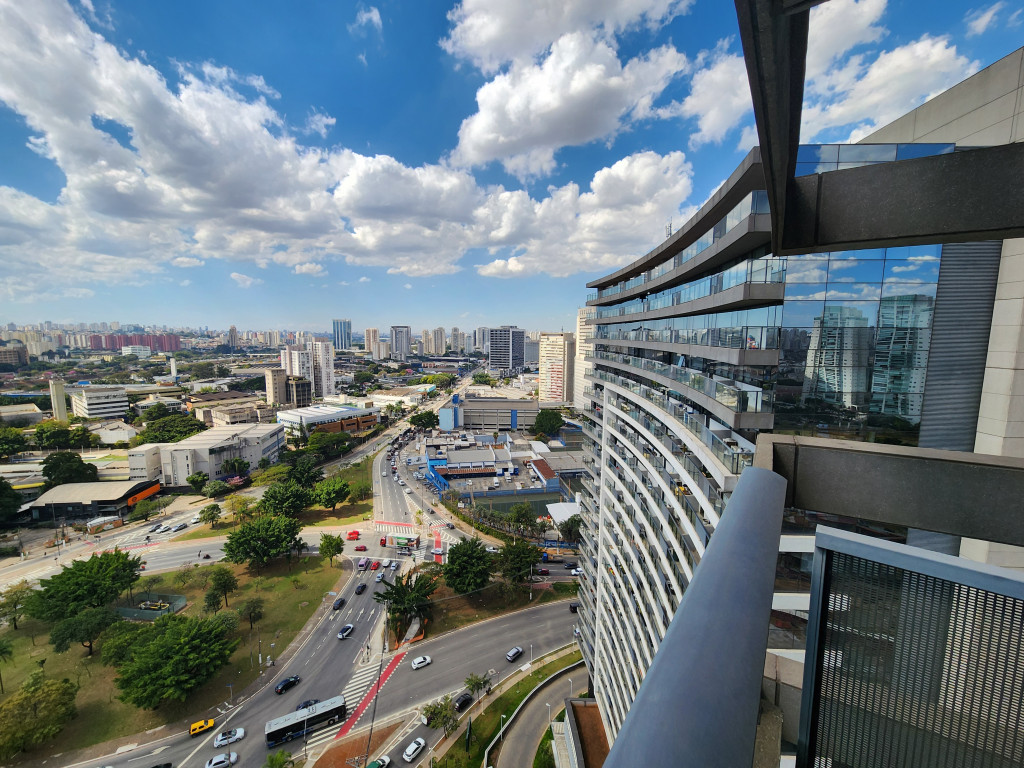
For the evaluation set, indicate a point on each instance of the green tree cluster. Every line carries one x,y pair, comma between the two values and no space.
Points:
84,627
424,420
330,546
361,490
286,499
570,528
548,422
210,514
406,599
514,563
36,713
92,583
305,472
12,441
13,600
441,714
169,429
235,466
10,501
215,488
469,566
260,540
331,492
197,480
64,467
328,445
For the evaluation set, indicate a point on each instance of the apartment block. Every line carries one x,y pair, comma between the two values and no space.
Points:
99,402
506,349
557,352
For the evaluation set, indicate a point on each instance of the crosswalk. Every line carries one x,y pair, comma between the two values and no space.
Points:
407,530
353,692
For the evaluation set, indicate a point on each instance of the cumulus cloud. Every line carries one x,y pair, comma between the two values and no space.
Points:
320,124
719,95
244,281
187,261
836,28
408,286
364,279
579,93
366,18
310,268
980,19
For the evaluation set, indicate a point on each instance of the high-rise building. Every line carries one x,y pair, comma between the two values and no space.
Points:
298,391
370,337
342,334
58,403
233,337
277,392
584,349
482,341
557,352
100,402
506,350
297,361
401,342
427,342
323,367
439,342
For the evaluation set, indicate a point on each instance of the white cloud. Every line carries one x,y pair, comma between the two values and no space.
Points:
364,279
579,93
185,283
310,268
837,27
408,286
980,19
367,17
719,95
320,124
343,282
244,281
187,261
748,138
490,33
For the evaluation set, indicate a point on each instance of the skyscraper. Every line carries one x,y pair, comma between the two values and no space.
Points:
584,349
233,337
277,392
507,347
370,337
482,341
323,367
342,334
439,345
401,342
557,362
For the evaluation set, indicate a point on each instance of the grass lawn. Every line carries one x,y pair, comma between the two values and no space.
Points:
101,716
452,611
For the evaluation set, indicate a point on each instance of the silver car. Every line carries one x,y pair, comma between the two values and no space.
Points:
229,737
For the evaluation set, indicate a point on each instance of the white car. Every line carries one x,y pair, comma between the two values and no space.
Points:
437,551
421,661
195,520
229,737
576,572
408,490
414,748
493,550
223,760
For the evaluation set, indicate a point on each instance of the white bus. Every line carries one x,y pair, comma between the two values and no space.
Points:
294,725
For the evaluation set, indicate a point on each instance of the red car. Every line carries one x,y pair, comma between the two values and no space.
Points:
375,565
383,541
353,535
361,548
543,571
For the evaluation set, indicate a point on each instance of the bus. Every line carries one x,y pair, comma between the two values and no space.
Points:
294,725
363,564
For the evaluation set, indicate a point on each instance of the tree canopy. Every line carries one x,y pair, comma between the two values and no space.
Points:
63,467
424,420
260,540
169,429
570,528
53,435
305,472
10,501
331,546
328,445
36,713
361,490
84,627
197,480
92,583
407,598
12,441
288,498
331,492
12,602
223,582
441,714
210,514
235,466
469,566
156,411
514,562
548,422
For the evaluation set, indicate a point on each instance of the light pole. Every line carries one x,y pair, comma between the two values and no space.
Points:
231,692
531,653
570,688
549,713
501,732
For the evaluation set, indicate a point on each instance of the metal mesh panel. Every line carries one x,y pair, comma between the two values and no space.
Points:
916,671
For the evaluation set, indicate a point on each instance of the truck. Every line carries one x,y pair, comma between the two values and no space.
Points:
550,555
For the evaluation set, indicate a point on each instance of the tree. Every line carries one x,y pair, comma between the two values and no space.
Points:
92,583
84,627
10,501
361,491
171,658
252,609
156,411
406,599
442,714
548,422
215,488
331,492
328,445
331,546
222,371
223,581
197,480
236,466
261,540
279,759
36,713
305,472
522,516
53,435
169,429
12,441
469,566
12,602
514,562
240,506
481,378
424,420
212,601
6,654
62,467
288,499
210,514
476,683
570,528
81,437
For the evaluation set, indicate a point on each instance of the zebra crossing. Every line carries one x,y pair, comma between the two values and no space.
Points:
353,692
409,530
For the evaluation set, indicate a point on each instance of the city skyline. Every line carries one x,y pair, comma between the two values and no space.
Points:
278,169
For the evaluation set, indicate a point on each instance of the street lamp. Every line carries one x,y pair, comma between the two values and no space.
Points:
531,653
570,688
549,712
231,692
501,732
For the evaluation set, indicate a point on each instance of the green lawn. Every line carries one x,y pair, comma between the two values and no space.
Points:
101,716
452,611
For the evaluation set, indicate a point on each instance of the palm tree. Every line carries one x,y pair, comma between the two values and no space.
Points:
279,759
476,683
6,654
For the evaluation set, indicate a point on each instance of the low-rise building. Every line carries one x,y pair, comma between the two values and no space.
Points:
214,399
405,396
172,404
488,414
144,462
77,500
237,413
99,402
329,418
21,415
207,451
113,431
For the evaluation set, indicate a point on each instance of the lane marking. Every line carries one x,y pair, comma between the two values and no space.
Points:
370,694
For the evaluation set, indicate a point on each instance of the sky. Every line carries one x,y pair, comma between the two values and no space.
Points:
276,165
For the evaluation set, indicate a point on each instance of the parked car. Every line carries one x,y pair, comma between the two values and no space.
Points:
287,684
360,547
574,607
306,704
229,737
155,528
421,661
346,631
568,565
414,748
222,760
179,527
463,701
163,529
493,550
576,572
514,653
360,588
339,603
381,762
195,520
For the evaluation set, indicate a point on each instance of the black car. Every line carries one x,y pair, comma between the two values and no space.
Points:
450,526
463,701
574,607
339,603
569,565
360,589
288,682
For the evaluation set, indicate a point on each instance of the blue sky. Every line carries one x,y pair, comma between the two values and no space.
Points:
275,165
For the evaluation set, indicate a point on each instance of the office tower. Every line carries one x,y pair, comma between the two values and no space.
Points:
507,347
426,342
233,337
557,353
401,342
482,341
299,391
342,334
276,381
584,349
370,337
323,367
57,402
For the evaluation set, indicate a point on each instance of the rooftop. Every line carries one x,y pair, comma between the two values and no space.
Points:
86,493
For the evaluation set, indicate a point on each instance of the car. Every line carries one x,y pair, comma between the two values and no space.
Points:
287,684
401,482
383,473
222,760
346,631
450,526
576,572
195,520
360,588
514,653
229,737
576,632
381,762
306,704
380,577
543,571
414,748
492,550
421,661
163,529
569,565
463,701
200,726
375,565
155,528
385,563
394,565
574,607
339,603
407,490
179,527
352,535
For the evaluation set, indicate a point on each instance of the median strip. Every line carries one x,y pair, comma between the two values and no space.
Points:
374,689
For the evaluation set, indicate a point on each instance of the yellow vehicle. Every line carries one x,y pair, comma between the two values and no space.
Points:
196,728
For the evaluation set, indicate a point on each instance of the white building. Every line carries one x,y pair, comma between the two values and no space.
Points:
207,451
297,361
323,367
138,350
99,402
113,431
557,363
144,462
584,347
348,418
401,342
370,337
